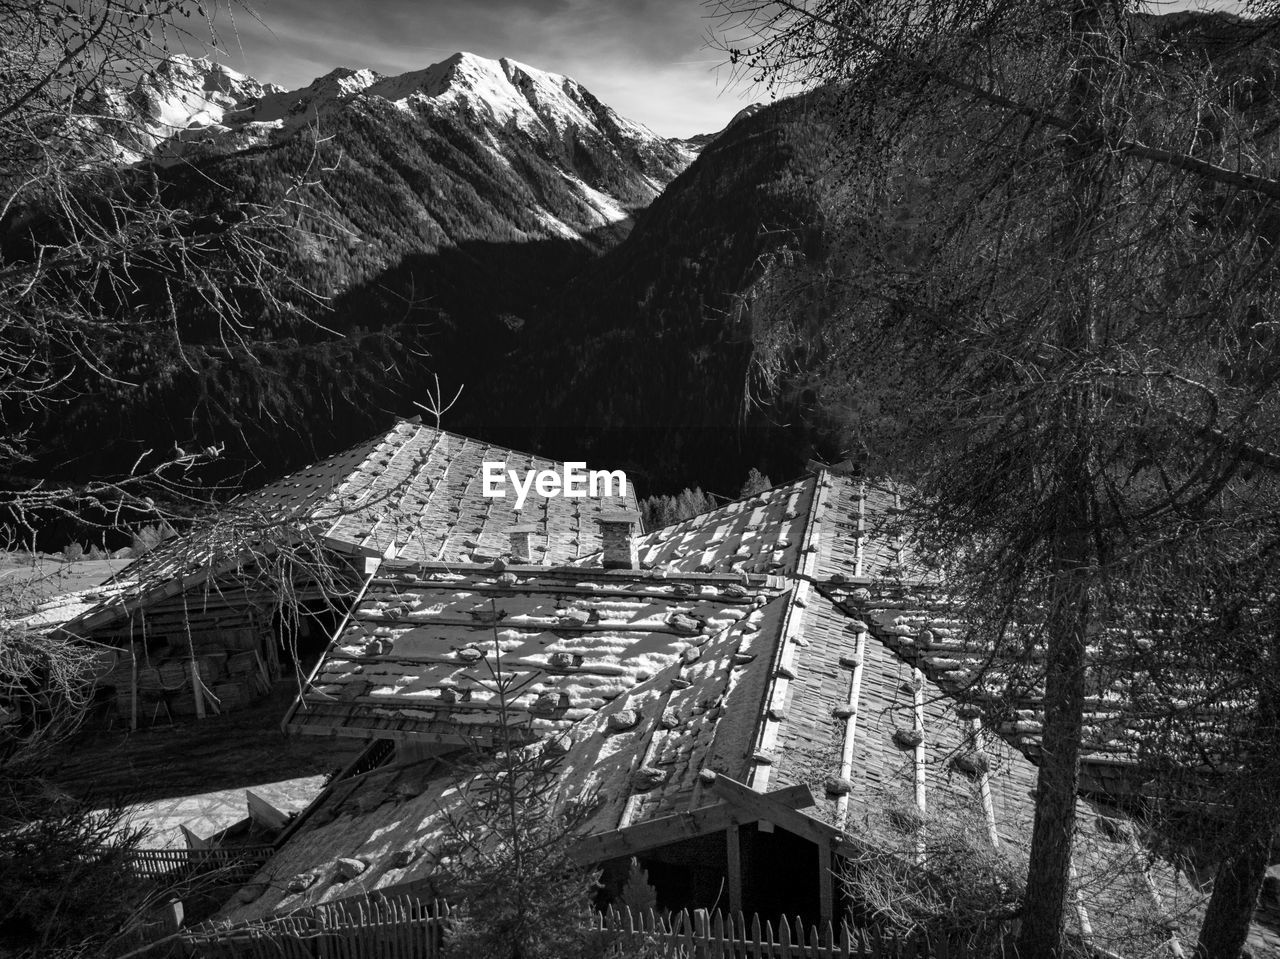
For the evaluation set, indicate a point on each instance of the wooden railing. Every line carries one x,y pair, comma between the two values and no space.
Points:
163,864
378,752
410,929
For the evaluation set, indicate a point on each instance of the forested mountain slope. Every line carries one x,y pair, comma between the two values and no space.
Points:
497,226
643,360
423,216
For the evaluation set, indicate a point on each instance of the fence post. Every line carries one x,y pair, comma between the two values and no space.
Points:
784,938
701,933
684,931
173,913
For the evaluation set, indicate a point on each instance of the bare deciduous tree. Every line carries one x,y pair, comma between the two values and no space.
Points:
86,229
86,226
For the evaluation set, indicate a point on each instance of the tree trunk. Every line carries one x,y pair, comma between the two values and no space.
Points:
1071,608
1235,895
1256,816
1049,867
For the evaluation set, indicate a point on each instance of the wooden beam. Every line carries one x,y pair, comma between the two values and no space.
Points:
826,883
851,721
862,528
1173,943
733,869
655,832
918,754
333,641
762,806
559,589
172,915
1082,914
799,796
984,785
197,687
691,824
263,813
477,734
193,841
133,684
634,801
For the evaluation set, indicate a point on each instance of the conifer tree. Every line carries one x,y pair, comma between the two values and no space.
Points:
756,482
505,862
1055,265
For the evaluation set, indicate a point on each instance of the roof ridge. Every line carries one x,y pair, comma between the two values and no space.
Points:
487,442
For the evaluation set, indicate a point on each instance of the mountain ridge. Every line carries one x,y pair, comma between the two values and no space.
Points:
195,109
425,212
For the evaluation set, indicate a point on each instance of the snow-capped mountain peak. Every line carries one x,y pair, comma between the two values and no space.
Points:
512,91
186,96
191,108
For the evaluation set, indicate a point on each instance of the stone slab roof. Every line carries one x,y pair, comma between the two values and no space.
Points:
762,534
822,525
639,755
919,624
414,489
642,754
909,746
419,657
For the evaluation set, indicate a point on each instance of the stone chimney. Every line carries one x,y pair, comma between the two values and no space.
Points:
522,542
619,546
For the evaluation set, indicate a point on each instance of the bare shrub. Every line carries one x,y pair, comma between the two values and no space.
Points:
933,874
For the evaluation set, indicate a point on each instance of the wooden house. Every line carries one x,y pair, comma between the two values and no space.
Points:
208,620
742,730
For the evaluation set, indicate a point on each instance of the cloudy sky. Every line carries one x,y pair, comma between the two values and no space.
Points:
647,59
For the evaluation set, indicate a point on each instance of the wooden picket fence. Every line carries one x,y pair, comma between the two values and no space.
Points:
238,863
704,935
389,929
406,928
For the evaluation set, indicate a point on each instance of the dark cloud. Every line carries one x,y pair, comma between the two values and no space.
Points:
645,58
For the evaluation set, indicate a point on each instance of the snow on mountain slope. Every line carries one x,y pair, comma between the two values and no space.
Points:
189,109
